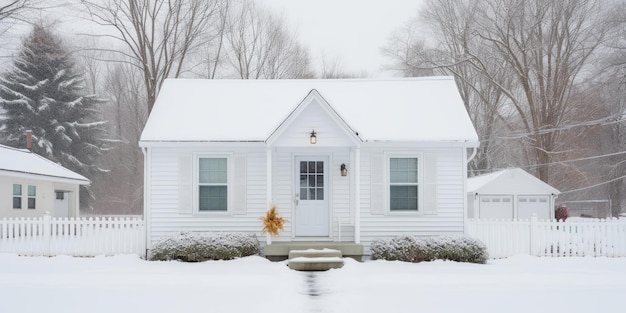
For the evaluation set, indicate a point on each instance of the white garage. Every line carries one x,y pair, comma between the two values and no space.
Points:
510,194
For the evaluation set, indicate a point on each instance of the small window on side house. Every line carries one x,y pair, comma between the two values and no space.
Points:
212,184
403,184
32,197
17,196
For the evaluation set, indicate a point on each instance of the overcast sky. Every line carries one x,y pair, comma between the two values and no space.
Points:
350,31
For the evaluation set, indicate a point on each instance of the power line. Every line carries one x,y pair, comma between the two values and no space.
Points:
596,185
576,160
601,122
532,166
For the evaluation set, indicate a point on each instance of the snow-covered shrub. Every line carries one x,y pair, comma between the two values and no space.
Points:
419,249
199,247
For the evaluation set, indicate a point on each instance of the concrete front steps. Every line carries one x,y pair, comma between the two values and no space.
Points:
314,259
279,251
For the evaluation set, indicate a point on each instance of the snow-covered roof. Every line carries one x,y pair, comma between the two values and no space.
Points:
509,181
16,162
413,109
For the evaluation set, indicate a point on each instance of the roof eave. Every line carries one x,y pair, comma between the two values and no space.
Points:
59,179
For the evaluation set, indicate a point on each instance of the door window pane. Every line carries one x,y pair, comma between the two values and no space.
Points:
320,193
311,180
320,167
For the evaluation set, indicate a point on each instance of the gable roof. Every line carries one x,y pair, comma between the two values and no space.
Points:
18,162
413,109
500,180
314,97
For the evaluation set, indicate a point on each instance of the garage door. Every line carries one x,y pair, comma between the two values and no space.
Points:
500,206
527,205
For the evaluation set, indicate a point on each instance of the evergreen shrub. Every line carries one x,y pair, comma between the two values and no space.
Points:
199,247
415,249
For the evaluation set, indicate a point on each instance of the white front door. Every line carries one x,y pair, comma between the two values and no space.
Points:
61,204
311,197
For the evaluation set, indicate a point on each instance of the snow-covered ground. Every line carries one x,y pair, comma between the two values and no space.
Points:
253,284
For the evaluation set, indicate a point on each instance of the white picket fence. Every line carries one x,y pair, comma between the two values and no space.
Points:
586,237
49,236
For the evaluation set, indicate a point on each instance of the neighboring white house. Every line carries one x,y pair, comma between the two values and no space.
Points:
30,185
510,194
350,159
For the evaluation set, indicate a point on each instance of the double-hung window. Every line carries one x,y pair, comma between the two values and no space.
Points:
17,196
403,184
32,196
212,184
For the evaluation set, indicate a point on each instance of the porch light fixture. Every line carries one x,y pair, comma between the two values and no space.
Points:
344,170
313,138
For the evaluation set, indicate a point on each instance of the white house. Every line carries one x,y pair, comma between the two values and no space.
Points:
342,160
510,194
30,185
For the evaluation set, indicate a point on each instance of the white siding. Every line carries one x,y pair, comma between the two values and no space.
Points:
446,219
339,190
441,199
313,117
45,197
166,217
283,190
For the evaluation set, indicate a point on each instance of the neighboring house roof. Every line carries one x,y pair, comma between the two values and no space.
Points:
19,162
510,180
415,109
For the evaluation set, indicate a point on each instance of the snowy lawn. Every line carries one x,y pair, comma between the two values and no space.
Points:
253,284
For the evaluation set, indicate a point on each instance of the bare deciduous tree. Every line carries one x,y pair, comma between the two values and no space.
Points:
546,44
13,9
121,191
159,35
532,54
452,23
259,45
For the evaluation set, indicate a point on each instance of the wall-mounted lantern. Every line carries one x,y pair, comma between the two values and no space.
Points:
344,170
313,138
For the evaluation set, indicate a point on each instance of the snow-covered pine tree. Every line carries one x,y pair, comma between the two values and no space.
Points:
45,92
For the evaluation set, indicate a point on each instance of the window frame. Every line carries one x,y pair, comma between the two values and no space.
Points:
33,197
197,184
20,196
420,183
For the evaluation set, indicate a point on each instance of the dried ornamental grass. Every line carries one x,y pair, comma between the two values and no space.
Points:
272,223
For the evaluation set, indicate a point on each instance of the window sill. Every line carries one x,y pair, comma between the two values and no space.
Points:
404,212
213,213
